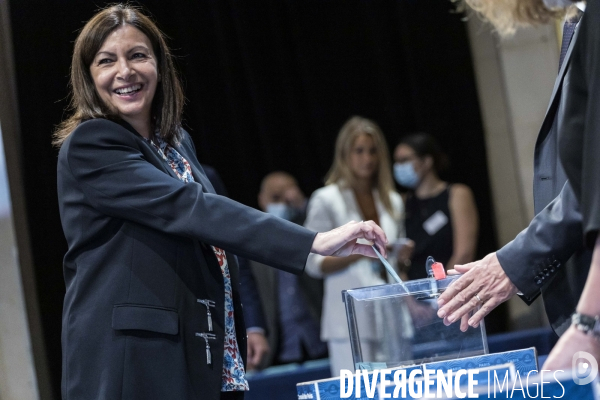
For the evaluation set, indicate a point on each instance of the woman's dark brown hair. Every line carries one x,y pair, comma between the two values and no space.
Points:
424,145
167,105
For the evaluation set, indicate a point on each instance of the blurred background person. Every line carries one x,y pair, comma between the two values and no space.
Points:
281,196
291,304
358,186
441,218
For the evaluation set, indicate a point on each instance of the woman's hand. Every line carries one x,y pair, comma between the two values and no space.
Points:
341,242
572,341
484,278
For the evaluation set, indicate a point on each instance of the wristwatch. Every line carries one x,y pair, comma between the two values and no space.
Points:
587,324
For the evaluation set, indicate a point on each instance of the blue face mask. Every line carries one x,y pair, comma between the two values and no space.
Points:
280,210
405,175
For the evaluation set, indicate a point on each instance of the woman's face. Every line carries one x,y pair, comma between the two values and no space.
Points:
404,153
125,74
363,160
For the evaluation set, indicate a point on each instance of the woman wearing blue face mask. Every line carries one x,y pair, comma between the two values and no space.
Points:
441,218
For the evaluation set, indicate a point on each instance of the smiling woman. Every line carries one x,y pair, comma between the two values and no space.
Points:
125,75
98,53
152,307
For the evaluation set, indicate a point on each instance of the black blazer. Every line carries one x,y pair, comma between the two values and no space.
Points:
139,260
548,257
580,135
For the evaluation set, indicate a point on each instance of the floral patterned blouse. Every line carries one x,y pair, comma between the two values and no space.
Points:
234,375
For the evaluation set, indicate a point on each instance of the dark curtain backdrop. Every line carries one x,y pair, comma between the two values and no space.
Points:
268,85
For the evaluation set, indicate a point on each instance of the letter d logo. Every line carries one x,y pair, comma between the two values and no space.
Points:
581,369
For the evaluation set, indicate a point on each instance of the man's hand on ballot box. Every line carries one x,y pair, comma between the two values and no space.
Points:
483,283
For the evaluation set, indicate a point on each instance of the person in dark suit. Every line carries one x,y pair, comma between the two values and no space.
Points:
547,257
292,304
579,144
152,307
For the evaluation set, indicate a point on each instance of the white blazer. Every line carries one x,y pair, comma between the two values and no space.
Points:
328,208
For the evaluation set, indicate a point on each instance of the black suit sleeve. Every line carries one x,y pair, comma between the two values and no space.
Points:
539,251
105,160
580,134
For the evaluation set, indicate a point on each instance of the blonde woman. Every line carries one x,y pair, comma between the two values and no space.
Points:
507,16
358,187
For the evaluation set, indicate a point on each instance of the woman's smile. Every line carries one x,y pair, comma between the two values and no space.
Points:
125,75
128,91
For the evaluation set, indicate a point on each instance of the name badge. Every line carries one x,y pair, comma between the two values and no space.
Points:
435,222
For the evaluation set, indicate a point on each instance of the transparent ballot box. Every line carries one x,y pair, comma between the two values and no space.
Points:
397,325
